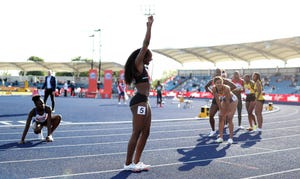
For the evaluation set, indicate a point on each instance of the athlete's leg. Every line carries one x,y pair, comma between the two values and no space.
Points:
143,136
212,112
250,112
258,113
137,126
232,109
52,100
55,121
239,109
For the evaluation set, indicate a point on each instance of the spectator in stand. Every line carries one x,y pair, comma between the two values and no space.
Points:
259,100
250,101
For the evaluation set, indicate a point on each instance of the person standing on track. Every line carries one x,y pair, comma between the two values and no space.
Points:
259,100
121,91
214,107
136,72
239,83
227,103
50,87
159,88
41,116
250,101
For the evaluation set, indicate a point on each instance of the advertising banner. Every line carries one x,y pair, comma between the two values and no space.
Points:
92,88
107,84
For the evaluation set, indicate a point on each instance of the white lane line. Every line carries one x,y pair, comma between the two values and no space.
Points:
9,123
22,122
176,163
239,165
152,126
68,123
154,140
153,132
275,173
118,153
130,121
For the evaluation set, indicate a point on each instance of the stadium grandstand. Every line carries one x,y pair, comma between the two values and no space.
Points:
276,80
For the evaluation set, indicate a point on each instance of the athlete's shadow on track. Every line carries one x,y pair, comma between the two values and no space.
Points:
248,139
202,154
27,144
125,174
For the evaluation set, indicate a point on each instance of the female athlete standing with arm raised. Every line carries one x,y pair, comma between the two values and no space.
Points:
136,72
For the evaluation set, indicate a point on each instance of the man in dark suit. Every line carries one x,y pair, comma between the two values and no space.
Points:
50,87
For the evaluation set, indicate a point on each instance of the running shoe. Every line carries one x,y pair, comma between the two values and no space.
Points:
219,140
40,136
143,166
254,127
249,129
241,127
131,167
49,138
212,133
230,141
258,130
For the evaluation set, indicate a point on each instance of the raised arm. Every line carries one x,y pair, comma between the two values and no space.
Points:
139,59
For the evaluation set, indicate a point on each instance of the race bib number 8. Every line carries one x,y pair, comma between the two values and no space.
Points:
141,110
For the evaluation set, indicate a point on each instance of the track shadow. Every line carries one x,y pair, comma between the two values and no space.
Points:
249,139
202,154
125,174
13,115
14,145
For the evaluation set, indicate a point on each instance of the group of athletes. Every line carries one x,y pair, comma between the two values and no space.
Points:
227,98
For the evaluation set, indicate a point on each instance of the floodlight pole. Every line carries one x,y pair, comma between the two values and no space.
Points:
99,67
92,64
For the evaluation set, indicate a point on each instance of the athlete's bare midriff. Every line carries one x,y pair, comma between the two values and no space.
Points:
143,88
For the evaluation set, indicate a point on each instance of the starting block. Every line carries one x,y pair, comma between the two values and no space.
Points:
270,106
204,112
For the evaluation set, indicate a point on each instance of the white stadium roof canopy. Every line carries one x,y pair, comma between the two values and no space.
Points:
59,66
279,49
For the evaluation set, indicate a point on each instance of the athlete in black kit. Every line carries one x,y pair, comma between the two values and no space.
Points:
136,72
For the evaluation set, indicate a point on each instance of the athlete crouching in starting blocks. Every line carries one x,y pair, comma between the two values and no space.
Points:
41,116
